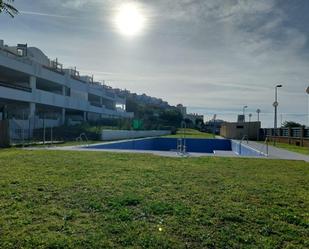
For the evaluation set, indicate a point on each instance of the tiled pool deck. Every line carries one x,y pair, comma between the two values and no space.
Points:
274,153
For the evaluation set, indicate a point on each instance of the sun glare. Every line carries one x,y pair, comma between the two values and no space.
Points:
130,20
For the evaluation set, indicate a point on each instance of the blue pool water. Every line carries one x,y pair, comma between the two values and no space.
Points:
169,144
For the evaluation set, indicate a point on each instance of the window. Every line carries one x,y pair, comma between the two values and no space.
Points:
20,52
67,91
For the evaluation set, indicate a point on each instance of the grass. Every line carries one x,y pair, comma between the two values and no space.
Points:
291,147
191,133
52,199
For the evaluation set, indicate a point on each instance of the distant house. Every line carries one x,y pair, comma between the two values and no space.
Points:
213,126
239,130
193,117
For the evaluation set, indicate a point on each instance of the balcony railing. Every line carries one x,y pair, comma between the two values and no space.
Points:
11,55
110,94
95,104
55,70
17,87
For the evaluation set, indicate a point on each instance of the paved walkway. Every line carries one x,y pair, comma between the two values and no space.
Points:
277,153
154,152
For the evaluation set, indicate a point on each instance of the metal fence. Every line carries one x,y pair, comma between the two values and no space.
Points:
296,132
40,130
32,130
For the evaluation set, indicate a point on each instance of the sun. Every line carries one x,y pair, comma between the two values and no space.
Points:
130,20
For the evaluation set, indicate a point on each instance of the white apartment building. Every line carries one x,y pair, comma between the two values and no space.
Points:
33,86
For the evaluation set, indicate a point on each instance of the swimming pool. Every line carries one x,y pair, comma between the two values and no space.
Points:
170,144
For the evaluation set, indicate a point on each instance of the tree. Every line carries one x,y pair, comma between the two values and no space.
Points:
199,123
7,7
189,123
291,124
171,117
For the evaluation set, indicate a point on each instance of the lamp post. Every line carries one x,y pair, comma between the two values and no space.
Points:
214,125
258,111
307,91
250,116
275,104
243,112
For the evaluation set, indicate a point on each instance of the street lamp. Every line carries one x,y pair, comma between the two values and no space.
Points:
243,112
250,116
275,104
258,111
307,91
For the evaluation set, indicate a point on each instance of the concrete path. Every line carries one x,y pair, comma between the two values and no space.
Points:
154,152
276,153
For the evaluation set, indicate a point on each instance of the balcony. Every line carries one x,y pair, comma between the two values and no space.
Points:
95,104
16,87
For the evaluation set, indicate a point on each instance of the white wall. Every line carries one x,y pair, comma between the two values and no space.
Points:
125,134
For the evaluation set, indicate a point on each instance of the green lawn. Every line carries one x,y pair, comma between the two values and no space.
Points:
291,147
191,133
53,199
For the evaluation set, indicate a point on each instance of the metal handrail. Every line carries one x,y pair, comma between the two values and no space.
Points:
83,137
266,142
181,142
184,127
179,145
243,138
241,141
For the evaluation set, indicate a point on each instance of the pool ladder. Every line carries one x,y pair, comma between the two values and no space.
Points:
83,137
245,137
265,144
181,146
181,142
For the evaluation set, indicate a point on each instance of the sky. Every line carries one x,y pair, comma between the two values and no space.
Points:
213,56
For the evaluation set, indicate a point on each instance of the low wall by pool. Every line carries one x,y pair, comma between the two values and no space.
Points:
108,135
168,144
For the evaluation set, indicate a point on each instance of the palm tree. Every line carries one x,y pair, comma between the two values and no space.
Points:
7,7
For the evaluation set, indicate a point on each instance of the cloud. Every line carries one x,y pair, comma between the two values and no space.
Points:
43,14
214,54
75,4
